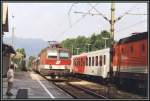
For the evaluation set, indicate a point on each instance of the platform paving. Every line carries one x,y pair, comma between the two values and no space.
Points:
35,86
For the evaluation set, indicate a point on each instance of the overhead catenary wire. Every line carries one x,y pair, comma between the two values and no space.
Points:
99,13
69,13
123,29
126,13
77,21
136,14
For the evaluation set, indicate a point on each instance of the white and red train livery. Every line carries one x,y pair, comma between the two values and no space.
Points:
53,61
93,63
127,60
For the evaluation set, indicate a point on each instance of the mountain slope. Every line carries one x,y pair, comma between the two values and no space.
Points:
31,46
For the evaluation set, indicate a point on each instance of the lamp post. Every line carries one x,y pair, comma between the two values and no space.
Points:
77,50
72,49
88,46
105,40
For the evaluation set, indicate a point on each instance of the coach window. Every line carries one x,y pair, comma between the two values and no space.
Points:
76,62
96,60
131,49
92,61
89,61
113,52
104,59
143,48
81,62
73,62
122,51
86,61
100,60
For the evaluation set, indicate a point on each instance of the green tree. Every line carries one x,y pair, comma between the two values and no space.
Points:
94,42
19,58
31,58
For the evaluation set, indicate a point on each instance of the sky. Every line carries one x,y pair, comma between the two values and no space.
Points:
57,21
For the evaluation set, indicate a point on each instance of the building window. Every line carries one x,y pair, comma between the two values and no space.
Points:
96,60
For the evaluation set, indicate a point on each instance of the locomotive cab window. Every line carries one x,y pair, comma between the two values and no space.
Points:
63,55
52,54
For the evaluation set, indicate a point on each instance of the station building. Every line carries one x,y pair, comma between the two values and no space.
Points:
7,50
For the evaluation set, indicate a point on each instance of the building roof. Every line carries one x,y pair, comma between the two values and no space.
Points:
7,49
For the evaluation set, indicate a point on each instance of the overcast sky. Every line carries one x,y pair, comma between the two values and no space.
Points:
50,21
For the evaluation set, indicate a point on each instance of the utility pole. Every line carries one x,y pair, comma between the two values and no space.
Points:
112,21
72,49
13,31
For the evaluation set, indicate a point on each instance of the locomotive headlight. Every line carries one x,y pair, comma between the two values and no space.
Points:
50,67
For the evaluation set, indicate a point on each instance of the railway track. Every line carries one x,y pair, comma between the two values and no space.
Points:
75,91
78,92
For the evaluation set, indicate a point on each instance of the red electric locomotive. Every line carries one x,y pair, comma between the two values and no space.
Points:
53,61
130,59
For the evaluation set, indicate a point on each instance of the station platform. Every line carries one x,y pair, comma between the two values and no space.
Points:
30,85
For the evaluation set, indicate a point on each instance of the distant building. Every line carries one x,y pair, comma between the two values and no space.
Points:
7,50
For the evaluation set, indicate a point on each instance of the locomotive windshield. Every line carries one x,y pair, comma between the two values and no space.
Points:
64,55
52,54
